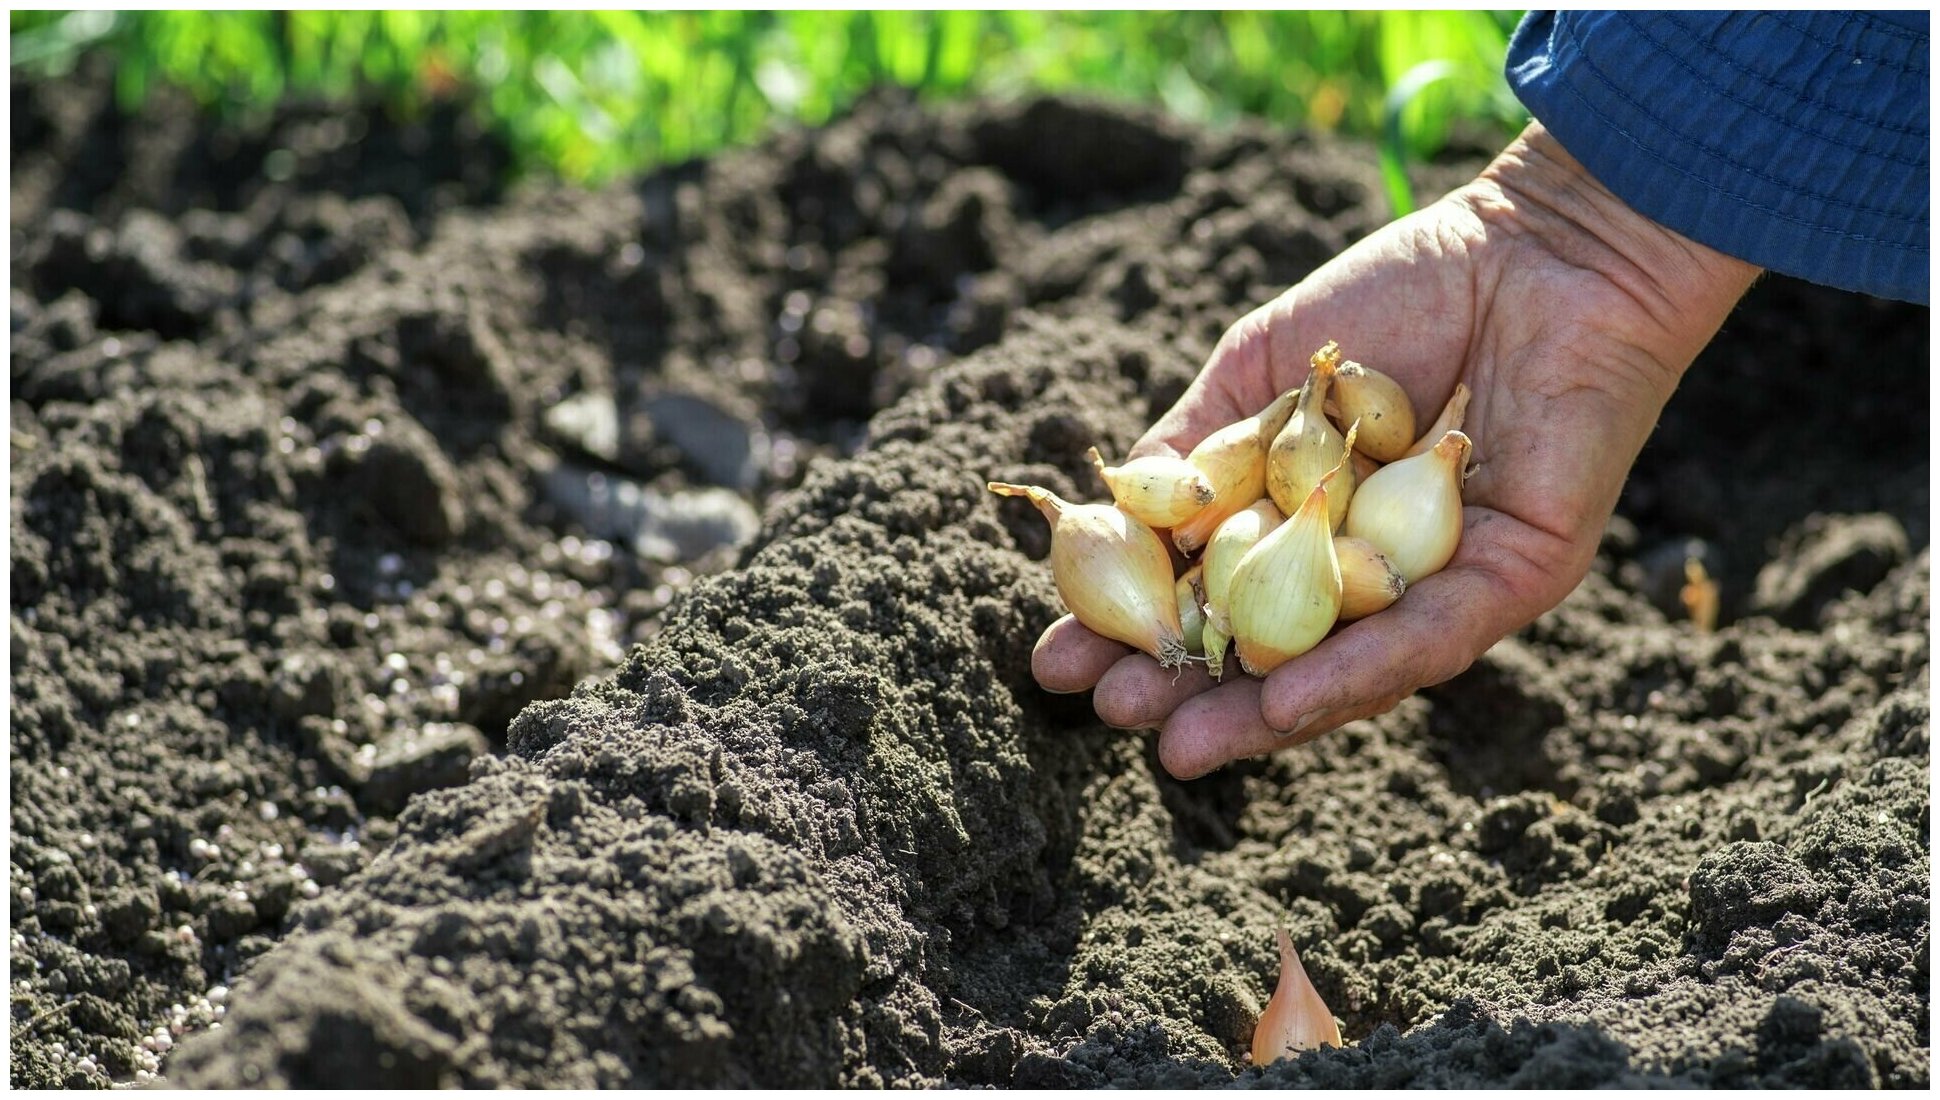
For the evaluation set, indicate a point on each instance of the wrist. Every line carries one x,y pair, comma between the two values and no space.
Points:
1537,193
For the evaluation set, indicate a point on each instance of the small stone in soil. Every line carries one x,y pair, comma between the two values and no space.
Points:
666,527
721,447
587,422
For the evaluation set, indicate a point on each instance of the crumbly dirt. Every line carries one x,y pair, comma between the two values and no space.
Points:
406,693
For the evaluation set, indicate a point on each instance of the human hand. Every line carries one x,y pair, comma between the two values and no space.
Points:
1569,316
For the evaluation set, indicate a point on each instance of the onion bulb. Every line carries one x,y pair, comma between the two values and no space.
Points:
1286,592
1295,1019
1234,460
1364,467
1229,545
1454,414
1213,641
1412,509
1224,552
1309,446
1381,406
1157,490
1369,582
1112,572
1192,607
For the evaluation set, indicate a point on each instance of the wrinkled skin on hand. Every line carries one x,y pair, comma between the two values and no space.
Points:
1570,316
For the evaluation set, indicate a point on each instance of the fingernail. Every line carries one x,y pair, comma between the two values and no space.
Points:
1304,722
1064,691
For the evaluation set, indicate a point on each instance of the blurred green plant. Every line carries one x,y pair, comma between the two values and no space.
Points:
592,95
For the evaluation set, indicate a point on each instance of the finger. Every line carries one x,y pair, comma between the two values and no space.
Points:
1214,728
1436,630
1137,694
1331,720
1217,727
1069,658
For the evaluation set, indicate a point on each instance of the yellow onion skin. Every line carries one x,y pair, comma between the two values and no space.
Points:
1381,407
1192,610
1215,642
1453,416
1234,460
1309,446
1364,468
1369,581
1412,509
1227,548
1286,592
1157,490
1295,1019
1113,573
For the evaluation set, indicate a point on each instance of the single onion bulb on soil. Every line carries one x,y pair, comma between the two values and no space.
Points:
1295,1019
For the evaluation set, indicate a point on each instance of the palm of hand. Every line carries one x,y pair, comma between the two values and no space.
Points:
1570,357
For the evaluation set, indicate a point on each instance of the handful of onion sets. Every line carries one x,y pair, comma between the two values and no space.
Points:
1321,509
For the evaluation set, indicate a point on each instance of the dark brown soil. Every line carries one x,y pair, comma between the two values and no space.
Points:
405,692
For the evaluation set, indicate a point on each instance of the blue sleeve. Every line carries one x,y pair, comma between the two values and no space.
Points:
1793,140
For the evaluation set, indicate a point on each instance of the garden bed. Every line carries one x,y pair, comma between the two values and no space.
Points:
531,637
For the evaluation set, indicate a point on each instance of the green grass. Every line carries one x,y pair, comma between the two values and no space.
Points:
594,95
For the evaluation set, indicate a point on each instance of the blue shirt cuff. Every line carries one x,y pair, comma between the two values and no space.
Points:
1796,141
